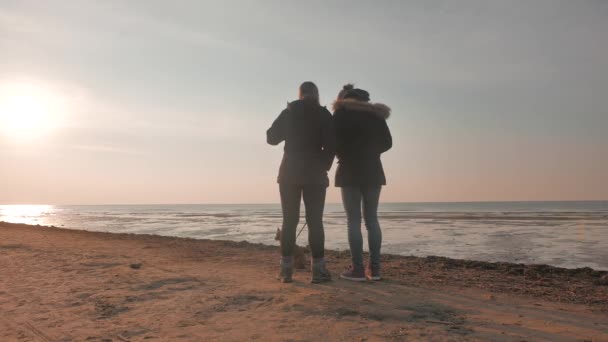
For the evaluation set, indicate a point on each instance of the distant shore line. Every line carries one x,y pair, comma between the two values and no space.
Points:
603,201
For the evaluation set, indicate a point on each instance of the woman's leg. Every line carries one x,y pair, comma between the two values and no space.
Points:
314,204
371,198
314,201
351,198
290,204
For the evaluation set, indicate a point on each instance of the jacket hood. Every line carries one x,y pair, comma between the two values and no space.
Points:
378,109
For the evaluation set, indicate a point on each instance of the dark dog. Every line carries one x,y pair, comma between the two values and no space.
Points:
299,259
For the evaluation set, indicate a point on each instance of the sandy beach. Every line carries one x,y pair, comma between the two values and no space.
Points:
70,285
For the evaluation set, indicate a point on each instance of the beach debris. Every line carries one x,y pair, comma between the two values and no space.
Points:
440,322
106,309
120,337
136,266
396,333
37,332
603,280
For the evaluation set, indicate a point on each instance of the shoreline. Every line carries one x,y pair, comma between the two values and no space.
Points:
76,284
519,278
555,235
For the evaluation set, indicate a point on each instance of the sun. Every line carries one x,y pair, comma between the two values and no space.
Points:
27,111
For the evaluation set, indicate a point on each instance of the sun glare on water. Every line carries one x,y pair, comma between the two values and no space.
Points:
28,111
28,214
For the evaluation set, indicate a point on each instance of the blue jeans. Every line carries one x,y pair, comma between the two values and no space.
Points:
352,198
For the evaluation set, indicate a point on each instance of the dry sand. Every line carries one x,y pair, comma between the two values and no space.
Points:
67,285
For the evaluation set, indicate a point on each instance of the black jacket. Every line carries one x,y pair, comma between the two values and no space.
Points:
310,143
362,135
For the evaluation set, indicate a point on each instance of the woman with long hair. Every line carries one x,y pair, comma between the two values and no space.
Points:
362,135
308,131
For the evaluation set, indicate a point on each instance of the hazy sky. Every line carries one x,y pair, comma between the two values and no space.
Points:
169,101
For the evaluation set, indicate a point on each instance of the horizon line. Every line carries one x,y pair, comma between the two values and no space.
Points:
278,203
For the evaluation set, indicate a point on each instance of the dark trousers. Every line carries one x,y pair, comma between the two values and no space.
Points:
314,203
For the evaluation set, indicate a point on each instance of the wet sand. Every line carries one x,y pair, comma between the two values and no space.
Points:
70,285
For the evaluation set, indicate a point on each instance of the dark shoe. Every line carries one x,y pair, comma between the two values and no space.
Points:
354,274
286,273
320,274
373,272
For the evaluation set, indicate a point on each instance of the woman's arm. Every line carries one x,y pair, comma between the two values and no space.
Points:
386,139
276,133
328,137
338,119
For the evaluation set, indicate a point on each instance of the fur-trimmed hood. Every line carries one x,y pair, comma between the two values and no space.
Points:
378,109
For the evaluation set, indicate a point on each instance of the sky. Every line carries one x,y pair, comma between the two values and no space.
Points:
105,102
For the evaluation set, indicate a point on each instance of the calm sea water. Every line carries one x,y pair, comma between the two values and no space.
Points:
565,234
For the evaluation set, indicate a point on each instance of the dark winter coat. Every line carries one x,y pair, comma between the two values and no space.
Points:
310,143
362,135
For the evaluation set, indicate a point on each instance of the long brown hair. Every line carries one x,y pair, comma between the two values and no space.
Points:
309,91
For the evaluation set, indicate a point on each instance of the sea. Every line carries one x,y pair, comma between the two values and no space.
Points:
564,234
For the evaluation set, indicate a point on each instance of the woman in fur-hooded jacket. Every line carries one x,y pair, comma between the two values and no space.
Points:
362,135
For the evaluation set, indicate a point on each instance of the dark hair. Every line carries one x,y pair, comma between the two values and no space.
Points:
347,87
309,91
350,92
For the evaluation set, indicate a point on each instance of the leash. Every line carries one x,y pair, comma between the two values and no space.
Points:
301,229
